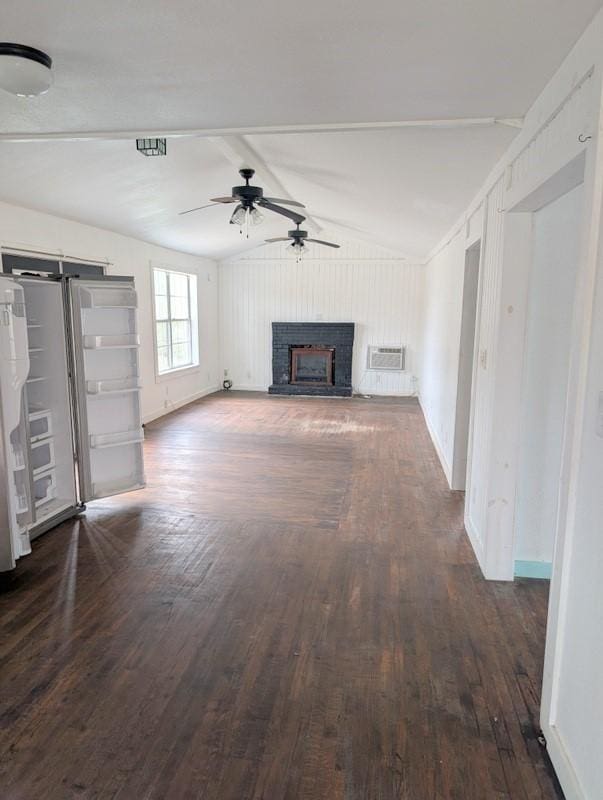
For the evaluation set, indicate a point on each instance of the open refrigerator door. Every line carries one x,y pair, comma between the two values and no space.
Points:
15,500
109,422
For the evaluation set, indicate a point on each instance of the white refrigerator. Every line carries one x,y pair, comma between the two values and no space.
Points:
70,420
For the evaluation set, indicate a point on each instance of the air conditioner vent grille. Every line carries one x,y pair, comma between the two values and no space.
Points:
386,358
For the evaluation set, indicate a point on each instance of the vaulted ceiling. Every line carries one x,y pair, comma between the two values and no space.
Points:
123,68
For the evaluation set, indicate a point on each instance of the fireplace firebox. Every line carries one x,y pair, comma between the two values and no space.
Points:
312,365
312,358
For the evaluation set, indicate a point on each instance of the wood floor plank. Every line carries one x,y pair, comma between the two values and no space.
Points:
290,610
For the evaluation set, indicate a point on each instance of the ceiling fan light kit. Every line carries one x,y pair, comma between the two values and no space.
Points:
299,239
24,71
248,198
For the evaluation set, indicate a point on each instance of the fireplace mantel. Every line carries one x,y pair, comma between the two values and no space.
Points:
335,337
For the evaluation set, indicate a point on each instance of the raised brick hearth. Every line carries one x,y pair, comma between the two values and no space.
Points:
338,336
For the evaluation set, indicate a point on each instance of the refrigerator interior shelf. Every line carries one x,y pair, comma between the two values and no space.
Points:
102,440
105,342
113,386
37,349
33,325
37,380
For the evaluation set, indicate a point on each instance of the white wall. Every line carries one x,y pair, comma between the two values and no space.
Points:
441,338
359,283
22,228
555,254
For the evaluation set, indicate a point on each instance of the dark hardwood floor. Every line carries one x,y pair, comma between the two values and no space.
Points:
290,611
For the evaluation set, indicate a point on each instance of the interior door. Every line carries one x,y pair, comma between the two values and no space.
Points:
107,386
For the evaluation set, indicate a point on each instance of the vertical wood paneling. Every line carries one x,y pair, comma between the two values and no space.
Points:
363,285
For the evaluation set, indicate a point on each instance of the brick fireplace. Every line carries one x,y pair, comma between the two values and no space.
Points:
312,358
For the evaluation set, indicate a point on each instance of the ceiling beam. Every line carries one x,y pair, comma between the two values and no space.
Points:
462,122
240,154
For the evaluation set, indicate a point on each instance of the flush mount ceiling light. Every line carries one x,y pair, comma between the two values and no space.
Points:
24,71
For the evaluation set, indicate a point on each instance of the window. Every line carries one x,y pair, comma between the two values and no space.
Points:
176,336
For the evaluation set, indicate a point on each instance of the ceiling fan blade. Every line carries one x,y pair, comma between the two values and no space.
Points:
223,199
320,241
190,210
277,239
284,202
297,218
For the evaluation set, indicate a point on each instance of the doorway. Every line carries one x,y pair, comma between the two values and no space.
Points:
465,372
551,294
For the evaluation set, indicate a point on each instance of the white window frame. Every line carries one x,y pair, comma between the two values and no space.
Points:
192,283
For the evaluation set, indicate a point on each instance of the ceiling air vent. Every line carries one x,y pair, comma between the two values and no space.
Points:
391,358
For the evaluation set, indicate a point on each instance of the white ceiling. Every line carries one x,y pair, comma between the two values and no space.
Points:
185,64
209,63
398,188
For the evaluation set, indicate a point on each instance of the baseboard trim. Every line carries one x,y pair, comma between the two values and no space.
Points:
562,764
476,544
438,447
533,569
180,403
244,387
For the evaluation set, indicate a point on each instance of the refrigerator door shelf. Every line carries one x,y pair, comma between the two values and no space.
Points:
112,342
44,487
110,488
40,425
113,386
17,458
107,297
100,441
41,456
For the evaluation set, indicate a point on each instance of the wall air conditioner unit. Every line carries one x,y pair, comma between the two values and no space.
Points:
386,358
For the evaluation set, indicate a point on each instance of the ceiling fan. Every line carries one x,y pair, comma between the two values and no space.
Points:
298,240
248,198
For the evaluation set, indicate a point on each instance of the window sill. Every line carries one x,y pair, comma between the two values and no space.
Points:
180,372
